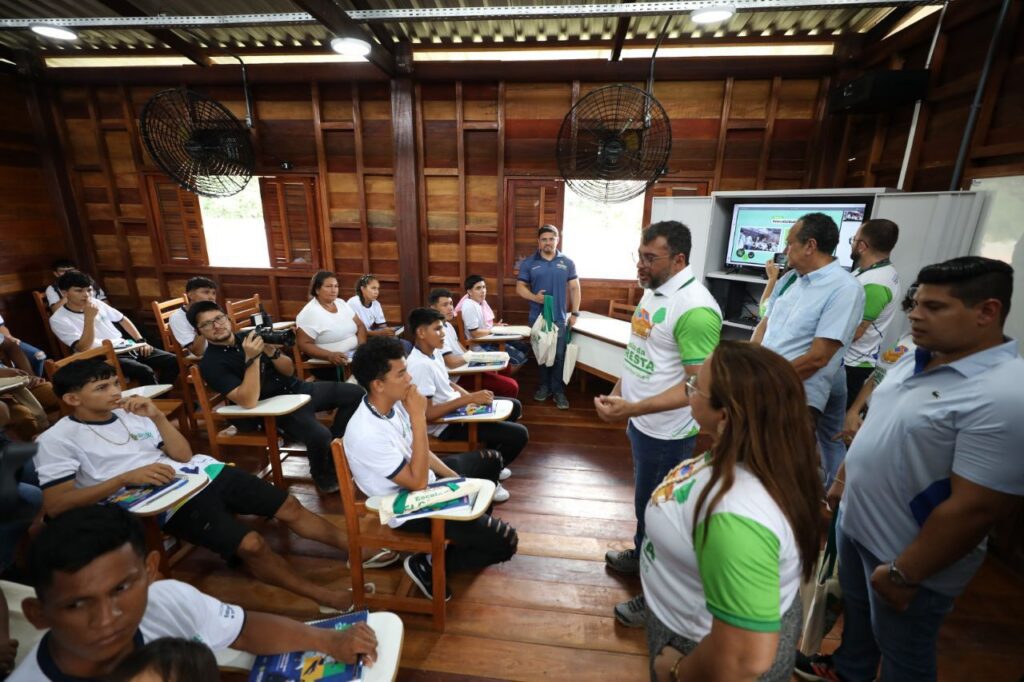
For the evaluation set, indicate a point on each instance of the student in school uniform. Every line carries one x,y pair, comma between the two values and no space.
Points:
500,385
387,449
54,298
196,289
429,373
367,307
110,442
84,322
478,320
34,359
98,597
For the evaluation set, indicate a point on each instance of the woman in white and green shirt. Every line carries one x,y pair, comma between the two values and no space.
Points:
731,533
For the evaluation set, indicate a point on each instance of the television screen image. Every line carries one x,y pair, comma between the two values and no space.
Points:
759,231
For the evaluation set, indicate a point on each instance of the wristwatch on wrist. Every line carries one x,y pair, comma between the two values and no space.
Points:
897,577
276,355
575,313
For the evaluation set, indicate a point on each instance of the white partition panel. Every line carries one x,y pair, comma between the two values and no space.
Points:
695,213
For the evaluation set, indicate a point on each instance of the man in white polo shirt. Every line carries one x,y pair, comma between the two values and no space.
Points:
675,327
936,464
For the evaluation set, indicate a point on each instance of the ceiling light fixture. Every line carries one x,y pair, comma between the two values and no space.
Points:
55,32
712,15
350,47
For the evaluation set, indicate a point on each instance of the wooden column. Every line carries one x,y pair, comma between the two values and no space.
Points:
403,131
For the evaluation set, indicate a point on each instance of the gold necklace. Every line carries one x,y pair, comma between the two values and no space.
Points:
130,436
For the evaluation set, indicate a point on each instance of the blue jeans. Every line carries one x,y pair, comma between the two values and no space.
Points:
552,376
903,640
653,458
30,500
829,424
36,357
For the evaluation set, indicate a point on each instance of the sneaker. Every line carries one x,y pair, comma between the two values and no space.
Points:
632,613
561,402
542,394
816,667
500,494
325,484
420,572
505,473
624,561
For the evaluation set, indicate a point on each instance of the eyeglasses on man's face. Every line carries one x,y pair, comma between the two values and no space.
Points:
208,324
647,259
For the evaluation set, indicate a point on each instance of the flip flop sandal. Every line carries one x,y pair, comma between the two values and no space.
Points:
369,588
382,559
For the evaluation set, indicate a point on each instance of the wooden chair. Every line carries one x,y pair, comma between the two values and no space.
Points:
468,342
304,364
217,414
171,408
365,530
239,311
56,347
621,310
162,311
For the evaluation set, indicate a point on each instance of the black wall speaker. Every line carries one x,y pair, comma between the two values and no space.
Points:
877,91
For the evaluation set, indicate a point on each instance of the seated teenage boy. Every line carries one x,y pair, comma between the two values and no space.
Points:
84,322
246,370
23,355
97,594
387,450
54,297
109,442
426,365
505,386
478,321
196,289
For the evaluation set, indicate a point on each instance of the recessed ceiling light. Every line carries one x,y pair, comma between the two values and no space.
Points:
712,15
351,47
55,32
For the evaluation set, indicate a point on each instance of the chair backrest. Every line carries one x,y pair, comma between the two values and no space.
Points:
621,310
460,327
56,347
162,311
347,489
208,401
239,311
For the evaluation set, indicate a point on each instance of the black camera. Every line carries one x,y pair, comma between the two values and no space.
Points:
263,325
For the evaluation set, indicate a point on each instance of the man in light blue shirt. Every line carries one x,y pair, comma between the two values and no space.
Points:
810,319
935,465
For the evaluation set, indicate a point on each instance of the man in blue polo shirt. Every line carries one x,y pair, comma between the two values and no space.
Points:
549,272
936,464
810,319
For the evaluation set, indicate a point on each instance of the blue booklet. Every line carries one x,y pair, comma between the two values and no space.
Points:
133,496
471,411
310,666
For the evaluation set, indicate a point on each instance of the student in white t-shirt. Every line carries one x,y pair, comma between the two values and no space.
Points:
327,328
428,371
84,322
34,359
54,298
110,442
478,320
196,289
387,448
501,385
731,533
367,307
98,596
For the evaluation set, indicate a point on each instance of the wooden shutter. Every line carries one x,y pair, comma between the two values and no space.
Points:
290,214
673,188
179,222
529,204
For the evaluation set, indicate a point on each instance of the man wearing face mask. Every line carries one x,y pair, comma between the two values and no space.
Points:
675,327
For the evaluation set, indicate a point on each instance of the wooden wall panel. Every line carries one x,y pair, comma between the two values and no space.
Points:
876,143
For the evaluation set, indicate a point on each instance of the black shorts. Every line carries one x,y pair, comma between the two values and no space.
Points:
209,520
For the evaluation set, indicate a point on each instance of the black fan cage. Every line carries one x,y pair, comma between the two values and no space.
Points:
614,143
197,142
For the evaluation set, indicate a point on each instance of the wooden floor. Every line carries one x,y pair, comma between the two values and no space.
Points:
547,613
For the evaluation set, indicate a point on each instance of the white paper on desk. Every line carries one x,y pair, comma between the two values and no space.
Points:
485,356
510,330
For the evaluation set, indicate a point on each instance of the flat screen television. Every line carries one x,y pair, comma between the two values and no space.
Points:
759,230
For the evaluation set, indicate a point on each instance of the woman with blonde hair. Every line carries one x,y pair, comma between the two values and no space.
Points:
731,533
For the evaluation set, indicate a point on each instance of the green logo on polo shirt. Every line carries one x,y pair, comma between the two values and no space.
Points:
648,550
658,316
637,359
683,492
